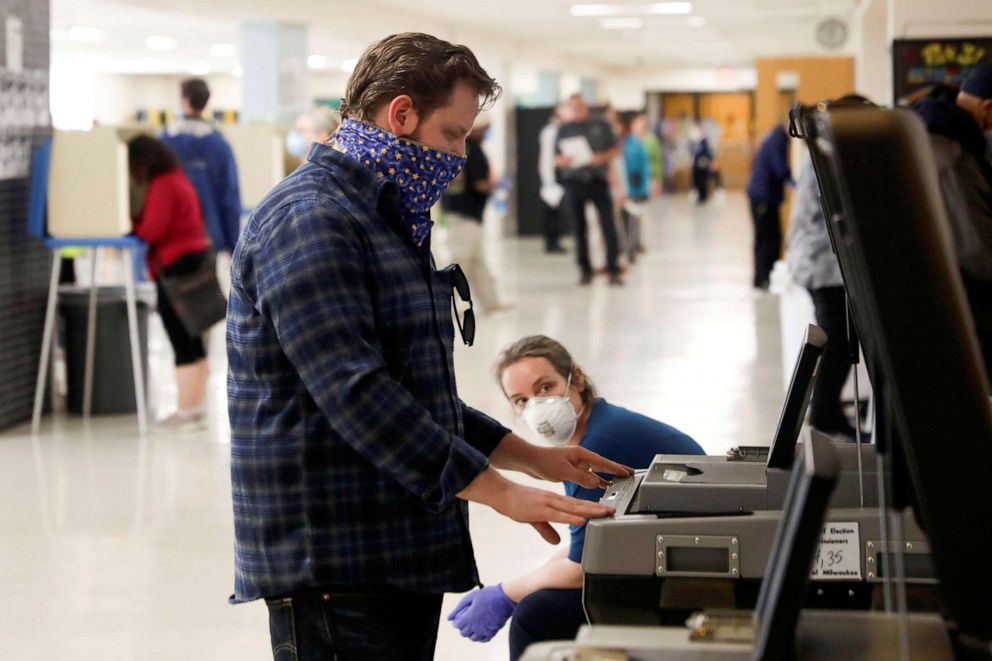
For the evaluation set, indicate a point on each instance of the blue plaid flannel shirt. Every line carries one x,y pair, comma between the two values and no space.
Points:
348,438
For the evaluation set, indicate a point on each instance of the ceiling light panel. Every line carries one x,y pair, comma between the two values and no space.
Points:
84,34
159,42
222,50
621,23
651,9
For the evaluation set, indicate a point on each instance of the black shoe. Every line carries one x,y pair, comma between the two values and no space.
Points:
585,279
553,250
616,280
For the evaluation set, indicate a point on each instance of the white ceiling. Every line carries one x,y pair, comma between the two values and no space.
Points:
733,32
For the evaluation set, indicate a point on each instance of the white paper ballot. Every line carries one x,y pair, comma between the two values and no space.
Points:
552,194
577,148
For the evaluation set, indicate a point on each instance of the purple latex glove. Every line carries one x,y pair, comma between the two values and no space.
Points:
481,613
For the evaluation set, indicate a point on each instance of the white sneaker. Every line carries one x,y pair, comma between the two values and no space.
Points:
183,422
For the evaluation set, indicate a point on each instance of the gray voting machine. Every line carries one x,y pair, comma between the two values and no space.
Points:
878,185
695,531
749,479
778,625
650,568
771,630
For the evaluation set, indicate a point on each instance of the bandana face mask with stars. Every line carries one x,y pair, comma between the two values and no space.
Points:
421,172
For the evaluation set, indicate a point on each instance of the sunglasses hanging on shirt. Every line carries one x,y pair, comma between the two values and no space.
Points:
466,322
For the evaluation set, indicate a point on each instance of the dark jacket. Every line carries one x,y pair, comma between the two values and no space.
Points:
965,178
209,164
770,170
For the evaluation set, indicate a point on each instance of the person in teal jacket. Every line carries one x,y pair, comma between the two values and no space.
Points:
637,165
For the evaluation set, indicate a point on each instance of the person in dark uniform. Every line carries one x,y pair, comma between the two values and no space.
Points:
587,180
960,122
766,189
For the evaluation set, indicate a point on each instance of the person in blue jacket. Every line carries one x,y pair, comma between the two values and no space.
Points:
209,164
559,403
766,189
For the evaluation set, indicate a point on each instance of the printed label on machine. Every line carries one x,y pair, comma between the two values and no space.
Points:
838,557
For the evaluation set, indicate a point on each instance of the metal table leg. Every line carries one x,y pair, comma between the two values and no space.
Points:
46,343
132,326
90,337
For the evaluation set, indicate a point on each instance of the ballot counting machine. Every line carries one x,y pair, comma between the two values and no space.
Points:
778,627
751,478
878,186
645,567
702,526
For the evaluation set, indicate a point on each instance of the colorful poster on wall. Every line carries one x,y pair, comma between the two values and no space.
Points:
920,63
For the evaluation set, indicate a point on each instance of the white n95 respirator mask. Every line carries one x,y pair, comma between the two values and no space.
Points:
552,418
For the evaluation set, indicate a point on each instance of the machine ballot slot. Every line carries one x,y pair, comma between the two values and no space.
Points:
708,556
676,472
917,561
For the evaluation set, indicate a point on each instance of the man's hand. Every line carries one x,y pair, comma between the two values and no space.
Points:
570,463
537,507
563,161
573,463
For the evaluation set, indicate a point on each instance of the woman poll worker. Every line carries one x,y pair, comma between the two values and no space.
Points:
559,403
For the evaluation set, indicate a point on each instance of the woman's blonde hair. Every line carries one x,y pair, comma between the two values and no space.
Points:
542,346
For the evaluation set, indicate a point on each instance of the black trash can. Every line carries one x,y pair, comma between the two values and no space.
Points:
113,379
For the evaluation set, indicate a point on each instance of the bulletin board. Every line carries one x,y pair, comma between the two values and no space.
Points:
920,63
24,110
24,107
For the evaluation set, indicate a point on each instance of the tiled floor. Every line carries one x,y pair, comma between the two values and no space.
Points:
118,548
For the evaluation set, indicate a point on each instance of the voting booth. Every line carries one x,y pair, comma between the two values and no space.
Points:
80,198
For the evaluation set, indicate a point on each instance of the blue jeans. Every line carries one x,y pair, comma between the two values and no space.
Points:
354,623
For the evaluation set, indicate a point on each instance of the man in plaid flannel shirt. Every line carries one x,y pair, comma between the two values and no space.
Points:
353,457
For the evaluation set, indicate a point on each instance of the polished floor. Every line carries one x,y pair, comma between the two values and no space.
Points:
113,547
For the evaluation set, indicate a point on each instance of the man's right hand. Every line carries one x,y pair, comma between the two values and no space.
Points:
538,507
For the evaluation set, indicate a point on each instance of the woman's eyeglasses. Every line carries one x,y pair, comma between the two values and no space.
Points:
466,322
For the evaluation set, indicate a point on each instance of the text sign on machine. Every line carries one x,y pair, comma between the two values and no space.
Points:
838,557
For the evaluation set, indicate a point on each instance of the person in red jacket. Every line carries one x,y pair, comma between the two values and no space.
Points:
172,225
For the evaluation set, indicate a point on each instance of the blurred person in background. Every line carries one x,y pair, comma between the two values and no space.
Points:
713,132
208,162
585,147
814,265
173,227
702,161
960,127
464,202
316,125
637,166
551,189
652,144
766,190
559,403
